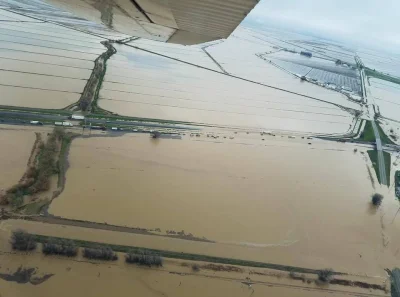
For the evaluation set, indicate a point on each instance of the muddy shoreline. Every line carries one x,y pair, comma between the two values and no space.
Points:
51,219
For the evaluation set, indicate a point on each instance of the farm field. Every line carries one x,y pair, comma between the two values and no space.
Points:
254,68
14,153
40,68
218,159
175,278
144,85
189,190
386,95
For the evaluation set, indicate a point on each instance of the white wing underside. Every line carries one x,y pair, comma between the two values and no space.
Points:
175,21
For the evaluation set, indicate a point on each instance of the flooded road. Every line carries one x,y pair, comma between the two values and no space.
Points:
262,198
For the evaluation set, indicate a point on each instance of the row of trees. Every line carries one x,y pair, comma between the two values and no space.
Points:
23,241
144,259
96,79
60,247
100,253
37,177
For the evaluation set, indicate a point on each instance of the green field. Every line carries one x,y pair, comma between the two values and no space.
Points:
368,134
373,155
380,75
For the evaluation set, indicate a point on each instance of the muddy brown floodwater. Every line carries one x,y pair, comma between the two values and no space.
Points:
272,201
57,276
15,150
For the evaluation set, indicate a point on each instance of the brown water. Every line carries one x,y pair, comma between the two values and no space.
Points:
273,201
45,69
53,83
15,96
386,95
78,277
145,85
15,150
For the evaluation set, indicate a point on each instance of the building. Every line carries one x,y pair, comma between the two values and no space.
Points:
307,54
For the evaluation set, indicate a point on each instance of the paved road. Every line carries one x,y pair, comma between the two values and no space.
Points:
381,159
23,118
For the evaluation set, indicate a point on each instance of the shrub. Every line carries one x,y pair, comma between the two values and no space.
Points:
325,275
155,134
142,258
195,267
60,247
22,241
377,199
101,253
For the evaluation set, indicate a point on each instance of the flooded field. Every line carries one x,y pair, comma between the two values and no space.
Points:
381,61
386,95
282,197
47,66
43,65
245,197
65,277
15,150
191,54
146,85
254,68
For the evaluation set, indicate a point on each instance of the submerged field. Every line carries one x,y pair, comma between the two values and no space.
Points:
42,64
281,198
48,275
145,85
15,150
386,95
263,199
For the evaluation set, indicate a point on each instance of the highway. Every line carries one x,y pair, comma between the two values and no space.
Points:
381,159
24,117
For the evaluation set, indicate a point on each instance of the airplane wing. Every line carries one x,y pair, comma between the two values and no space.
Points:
175,21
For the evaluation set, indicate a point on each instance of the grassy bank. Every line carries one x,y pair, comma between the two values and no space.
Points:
136,119
373,73
373,155
179,255
90,93
368,134
95,108
62,159
47,159
397,182
384,138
